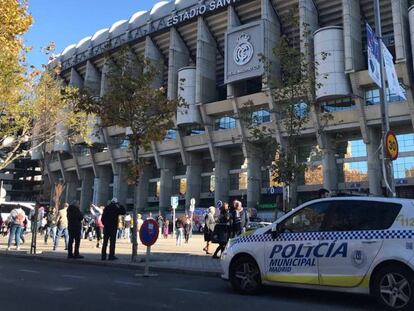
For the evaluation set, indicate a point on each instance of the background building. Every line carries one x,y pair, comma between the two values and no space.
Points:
214,45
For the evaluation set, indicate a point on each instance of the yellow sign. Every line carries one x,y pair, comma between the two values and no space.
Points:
391,146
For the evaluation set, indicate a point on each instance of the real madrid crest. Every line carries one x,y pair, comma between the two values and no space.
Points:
243,52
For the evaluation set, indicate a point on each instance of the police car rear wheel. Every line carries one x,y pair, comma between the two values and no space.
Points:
394,288
245,276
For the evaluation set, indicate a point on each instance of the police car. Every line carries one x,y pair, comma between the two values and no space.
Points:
350,244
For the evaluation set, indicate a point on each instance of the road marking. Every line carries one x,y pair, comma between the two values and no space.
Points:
28,271
128,283
191,291
71,276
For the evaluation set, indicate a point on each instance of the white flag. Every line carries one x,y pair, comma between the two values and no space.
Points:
392,78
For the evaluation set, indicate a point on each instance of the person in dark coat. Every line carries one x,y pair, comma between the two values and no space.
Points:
223,229
75,218
110,221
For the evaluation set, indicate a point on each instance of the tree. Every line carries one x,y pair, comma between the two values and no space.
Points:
132,102
292,95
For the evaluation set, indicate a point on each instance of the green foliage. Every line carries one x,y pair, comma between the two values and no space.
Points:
130,101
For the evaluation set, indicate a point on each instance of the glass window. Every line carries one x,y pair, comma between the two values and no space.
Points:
372,97
171,135
194,129
224,123
308,219
405,142
243,180
355,171
337,105
355,215
260,116
234,181
314,175
356,148
403,167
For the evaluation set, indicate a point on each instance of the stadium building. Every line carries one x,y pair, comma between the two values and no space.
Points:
215,46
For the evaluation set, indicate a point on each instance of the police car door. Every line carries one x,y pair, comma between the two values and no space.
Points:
351,242
290,256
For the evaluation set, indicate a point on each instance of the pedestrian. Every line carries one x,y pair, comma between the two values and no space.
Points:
110,221
179,225
187,228
150,216
51,224
222,229
127,224
165,229
75,218
97,214
209,223
160,221
239,219
120,231
62,226
15,220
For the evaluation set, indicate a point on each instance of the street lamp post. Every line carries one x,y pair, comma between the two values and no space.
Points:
388,173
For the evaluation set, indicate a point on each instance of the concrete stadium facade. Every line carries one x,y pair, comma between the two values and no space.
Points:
214,45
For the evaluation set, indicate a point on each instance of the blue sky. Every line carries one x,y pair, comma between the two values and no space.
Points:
67,21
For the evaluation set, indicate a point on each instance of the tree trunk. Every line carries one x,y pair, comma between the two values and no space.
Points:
134,255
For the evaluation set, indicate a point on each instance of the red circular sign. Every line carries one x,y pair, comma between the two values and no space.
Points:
148,234
391,146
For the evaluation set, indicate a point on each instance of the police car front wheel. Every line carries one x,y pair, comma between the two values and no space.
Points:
394,288
245,275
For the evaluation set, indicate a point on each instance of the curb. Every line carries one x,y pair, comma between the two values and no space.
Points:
127,266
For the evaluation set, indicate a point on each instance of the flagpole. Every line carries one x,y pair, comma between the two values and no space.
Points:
385,125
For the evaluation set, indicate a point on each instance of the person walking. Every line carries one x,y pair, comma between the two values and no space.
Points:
187,228
127,224
110,221
223,229
179,224
51,222
62,227
209,223
75,218
239,219
16,219
121,230
97,212
160,221
165,229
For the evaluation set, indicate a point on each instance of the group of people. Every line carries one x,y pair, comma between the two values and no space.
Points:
231,222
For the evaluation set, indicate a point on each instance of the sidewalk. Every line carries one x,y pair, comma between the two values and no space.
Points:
165,255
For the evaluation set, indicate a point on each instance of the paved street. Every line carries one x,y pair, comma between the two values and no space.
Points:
36,285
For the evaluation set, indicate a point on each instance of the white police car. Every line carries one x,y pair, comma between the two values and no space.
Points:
350,244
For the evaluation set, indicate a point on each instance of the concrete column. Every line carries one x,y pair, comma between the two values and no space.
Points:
354,59
374,162
120,186
87,189
71,184
177,59
193,175
308,24
154,55
101,183
233,21
141,191
167,167
222,178
104,78
92,79
205,64
401,30
330,172
272,35
254,179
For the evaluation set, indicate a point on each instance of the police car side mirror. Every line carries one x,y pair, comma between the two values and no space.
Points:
275,230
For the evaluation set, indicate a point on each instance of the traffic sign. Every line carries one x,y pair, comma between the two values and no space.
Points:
192,204
148,234
391,145
174,202
219,204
